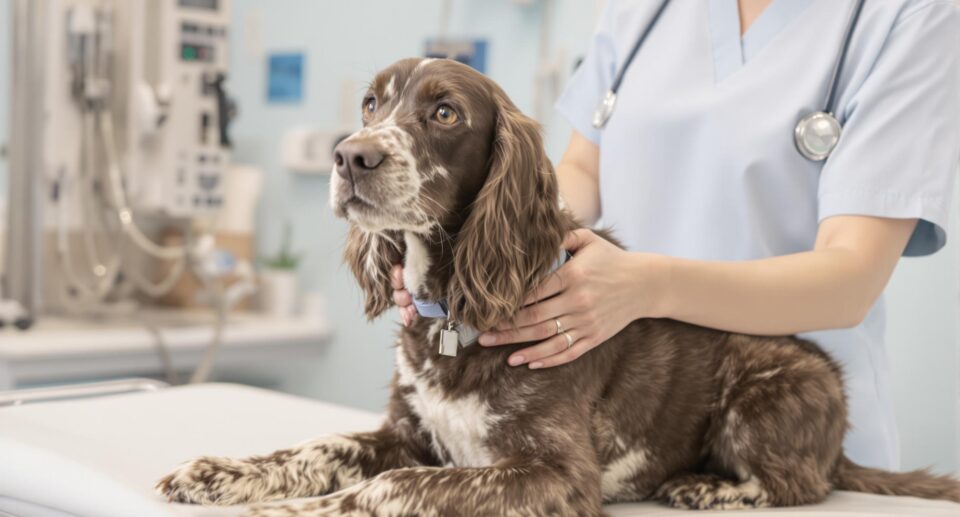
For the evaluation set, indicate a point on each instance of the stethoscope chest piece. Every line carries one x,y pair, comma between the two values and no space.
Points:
817,135
602,115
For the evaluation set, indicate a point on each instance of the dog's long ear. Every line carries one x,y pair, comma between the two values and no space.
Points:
371,256
513,232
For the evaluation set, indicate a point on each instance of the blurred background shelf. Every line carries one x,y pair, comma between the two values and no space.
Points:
66,350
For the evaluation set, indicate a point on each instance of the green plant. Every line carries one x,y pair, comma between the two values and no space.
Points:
285,259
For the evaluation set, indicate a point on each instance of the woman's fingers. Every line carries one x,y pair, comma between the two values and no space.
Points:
544,311
552,298
563,295
541,313
408,314
552,285
402,298
536,332
396,277
578,239
537,355
571,354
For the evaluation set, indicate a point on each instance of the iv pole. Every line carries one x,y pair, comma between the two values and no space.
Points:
24,261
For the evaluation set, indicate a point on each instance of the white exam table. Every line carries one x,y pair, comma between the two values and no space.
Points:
100,457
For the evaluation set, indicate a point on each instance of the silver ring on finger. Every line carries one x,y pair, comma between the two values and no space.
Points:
559,326
569,339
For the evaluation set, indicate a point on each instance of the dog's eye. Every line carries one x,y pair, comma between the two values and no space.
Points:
369,106
445,115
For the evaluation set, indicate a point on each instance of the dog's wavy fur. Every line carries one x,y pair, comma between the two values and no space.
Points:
512,233
692,417
370,257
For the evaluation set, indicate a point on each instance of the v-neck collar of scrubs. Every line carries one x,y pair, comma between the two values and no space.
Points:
731,51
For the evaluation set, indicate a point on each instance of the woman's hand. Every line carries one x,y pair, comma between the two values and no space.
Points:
402,297
593,296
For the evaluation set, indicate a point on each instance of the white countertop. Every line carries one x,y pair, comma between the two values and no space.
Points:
59,348
114,449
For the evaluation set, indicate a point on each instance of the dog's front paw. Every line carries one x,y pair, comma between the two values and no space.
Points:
215,481
341,504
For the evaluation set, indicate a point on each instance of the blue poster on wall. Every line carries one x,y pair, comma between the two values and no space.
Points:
471,52
285,78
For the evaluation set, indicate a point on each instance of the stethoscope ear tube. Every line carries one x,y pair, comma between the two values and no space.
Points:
816,135
829,103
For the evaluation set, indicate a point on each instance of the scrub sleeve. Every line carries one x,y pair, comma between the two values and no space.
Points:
899,153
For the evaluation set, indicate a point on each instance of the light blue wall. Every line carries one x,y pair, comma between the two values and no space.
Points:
352,40
923,337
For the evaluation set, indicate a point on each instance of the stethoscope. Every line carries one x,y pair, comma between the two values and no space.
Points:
816,134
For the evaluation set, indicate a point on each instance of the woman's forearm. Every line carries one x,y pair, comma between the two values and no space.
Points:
833,286
578,175
783,295
580,192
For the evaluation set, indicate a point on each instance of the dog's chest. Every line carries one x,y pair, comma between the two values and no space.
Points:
458,427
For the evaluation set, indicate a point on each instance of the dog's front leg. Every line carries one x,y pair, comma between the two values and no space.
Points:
313,468
539,487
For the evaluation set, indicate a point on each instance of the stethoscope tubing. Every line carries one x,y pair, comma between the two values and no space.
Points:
829,105
615,86
803,127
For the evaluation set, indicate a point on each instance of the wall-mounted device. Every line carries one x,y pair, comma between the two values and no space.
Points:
308,150
185,143
119,135
159,68
121,122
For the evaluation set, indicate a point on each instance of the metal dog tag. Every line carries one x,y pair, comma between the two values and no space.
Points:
449,341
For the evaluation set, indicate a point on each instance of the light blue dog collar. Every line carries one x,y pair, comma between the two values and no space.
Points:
455,336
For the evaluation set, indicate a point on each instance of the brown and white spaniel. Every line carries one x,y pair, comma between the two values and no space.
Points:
450,178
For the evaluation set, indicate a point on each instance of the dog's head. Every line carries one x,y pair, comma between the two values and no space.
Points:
443,149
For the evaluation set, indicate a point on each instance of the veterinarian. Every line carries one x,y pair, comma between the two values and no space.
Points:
730,219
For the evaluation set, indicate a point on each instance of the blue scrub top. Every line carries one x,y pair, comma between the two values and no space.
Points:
698,160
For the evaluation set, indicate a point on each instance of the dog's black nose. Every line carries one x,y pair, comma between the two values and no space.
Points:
356,158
